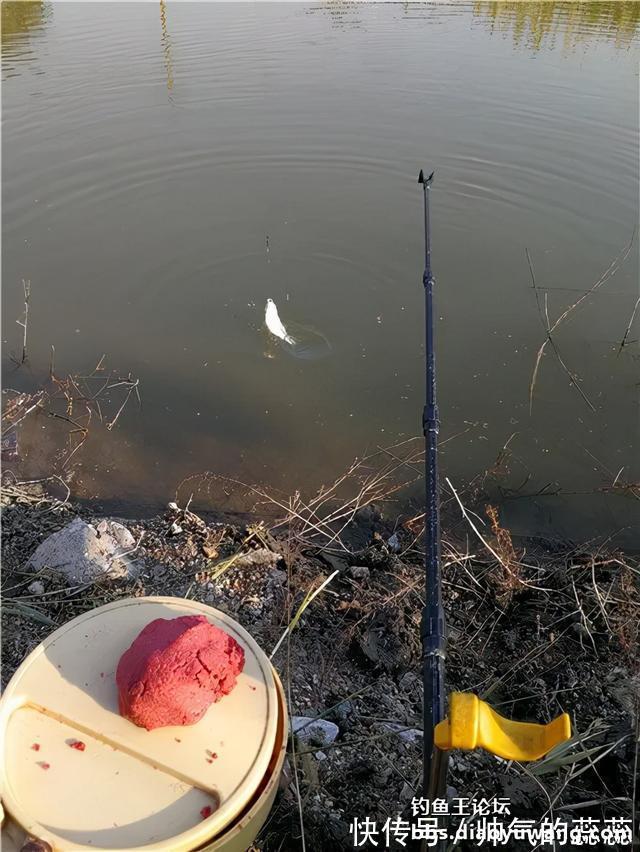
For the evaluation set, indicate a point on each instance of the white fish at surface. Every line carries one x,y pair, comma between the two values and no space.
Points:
274,323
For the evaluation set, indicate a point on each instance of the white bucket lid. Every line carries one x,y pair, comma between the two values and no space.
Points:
129,788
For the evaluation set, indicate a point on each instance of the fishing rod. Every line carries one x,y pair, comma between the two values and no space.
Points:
433,621
471,723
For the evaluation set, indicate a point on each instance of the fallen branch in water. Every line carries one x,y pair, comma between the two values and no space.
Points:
132,384
623,342
550,328
24,322
71,400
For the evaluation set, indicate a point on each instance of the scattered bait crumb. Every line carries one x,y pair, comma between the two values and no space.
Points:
102,675
43,765
206,812
253,687
78,745
177,739
36,746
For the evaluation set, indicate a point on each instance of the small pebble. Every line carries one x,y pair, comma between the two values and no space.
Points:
359,572
394,543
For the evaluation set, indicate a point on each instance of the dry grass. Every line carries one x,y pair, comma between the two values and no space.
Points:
506,575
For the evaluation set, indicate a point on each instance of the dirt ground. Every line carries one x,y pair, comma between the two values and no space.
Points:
536,630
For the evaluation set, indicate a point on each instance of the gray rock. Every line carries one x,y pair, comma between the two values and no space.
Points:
410,680
407,735
343,710
36,588
318,732
260,556
83,553
624,689
278,578
359,572
383,777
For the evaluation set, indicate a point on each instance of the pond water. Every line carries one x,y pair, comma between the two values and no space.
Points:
169,167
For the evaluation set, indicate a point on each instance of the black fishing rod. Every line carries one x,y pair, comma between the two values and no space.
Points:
433,623
472,723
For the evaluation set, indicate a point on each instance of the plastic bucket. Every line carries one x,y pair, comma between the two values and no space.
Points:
127,788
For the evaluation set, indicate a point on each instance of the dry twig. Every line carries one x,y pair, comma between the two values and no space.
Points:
550,328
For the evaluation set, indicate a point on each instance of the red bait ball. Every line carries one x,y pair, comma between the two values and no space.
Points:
174,670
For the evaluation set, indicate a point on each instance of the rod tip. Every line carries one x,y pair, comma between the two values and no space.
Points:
423,180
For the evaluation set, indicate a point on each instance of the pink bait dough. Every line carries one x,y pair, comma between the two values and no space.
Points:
174,670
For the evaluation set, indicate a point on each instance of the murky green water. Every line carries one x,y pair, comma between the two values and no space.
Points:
152,153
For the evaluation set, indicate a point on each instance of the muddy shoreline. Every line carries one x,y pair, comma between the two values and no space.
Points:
541,631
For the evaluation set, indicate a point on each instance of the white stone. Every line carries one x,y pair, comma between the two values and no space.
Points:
36,588
318,732
83,553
